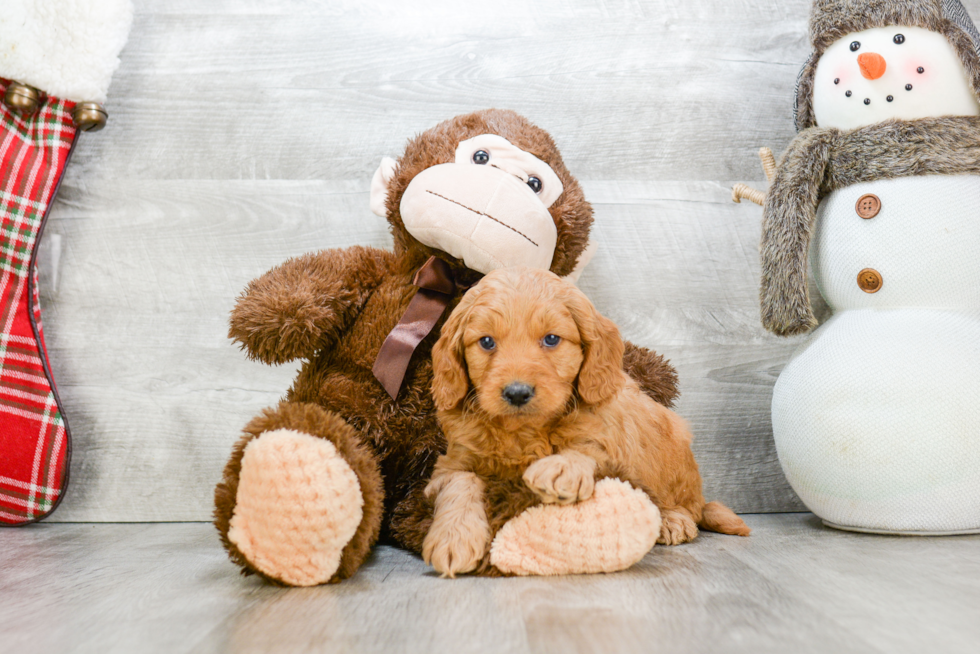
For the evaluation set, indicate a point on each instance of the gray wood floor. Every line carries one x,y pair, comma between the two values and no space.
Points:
794,587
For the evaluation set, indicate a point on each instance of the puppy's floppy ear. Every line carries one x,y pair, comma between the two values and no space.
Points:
450,381
601,375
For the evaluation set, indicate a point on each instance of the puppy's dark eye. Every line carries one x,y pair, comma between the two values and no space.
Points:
534,183
855,46
899,39
487,343
551,340
481,157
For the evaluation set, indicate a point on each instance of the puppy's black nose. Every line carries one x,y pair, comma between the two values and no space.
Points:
518,393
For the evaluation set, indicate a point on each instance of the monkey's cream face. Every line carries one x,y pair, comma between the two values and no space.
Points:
488,208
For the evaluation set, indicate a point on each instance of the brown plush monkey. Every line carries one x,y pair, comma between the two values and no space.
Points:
342,462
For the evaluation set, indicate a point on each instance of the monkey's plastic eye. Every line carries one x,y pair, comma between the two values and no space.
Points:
534,183
899,39
551,340
481,157
855,46
487,343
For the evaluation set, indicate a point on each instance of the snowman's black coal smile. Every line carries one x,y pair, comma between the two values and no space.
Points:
889,98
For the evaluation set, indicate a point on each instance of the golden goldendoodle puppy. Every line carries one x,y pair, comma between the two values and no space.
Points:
529,383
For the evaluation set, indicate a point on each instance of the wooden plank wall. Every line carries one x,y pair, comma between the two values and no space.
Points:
243,132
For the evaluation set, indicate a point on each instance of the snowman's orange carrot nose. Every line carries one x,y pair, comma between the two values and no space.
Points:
872,65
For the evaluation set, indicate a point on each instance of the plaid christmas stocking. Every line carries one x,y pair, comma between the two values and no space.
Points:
34,437
54,98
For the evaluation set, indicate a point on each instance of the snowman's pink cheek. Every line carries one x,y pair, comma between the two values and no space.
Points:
915,69
842,75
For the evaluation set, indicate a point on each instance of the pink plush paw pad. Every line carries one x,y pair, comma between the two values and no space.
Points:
608,532
298,504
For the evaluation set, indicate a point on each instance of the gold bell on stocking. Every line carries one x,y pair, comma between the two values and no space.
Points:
22,99
89,116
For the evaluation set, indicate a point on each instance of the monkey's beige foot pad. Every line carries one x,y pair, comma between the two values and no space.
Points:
608,532
298,504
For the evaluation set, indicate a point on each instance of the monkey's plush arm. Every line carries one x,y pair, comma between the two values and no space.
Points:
656,377
306,303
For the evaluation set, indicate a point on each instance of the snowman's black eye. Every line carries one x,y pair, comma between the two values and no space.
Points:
920,70
534,183
487,343
837,81
481,157
899,39
855,46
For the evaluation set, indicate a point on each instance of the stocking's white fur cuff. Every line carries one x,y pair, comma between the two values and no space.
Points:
67,48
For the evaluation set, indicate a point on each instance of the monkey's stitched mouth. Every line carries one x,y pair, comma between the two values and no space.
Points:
480,213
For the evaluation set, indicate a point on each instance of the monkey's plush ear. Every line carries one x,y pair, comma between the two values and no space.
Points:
379,186
583,261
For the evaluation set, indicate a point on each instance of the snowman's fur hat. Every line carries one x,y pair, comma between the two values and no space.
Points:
832,19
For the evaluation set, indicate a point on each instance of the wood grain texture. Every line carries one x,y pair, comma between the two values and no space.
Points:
793,586
630,90
245,132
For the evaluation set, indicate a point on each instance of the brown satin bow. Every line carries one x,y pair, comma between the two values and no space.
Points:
436,289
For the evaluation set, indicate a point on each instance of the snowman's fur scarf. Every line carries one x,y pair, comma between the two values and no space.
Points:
822,160
832,19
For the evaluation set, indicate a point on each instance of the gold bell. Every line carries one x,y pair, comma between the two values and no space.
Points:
22,99
89,116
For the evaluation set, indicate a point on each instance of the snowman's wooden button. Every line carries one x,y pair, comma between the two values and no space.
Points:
868,206
869,280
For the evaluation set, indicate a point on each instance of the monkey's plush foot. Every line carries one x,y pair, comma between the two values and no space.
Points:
301,499
608,532
678,527
298,505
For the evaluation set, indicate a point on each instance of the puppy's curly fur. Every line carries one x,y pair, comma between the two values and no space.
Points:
529,383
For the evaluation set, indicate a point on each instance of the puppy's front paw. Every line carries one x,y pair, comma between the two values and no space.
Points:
456,546
676,527
562,478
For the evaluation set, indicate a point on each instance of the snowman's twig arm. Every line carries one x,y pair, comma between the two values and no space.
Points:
768,163
745,192
788,217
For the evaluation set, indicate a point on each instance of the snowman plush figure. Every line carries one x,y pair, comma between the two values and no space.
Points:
876,417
